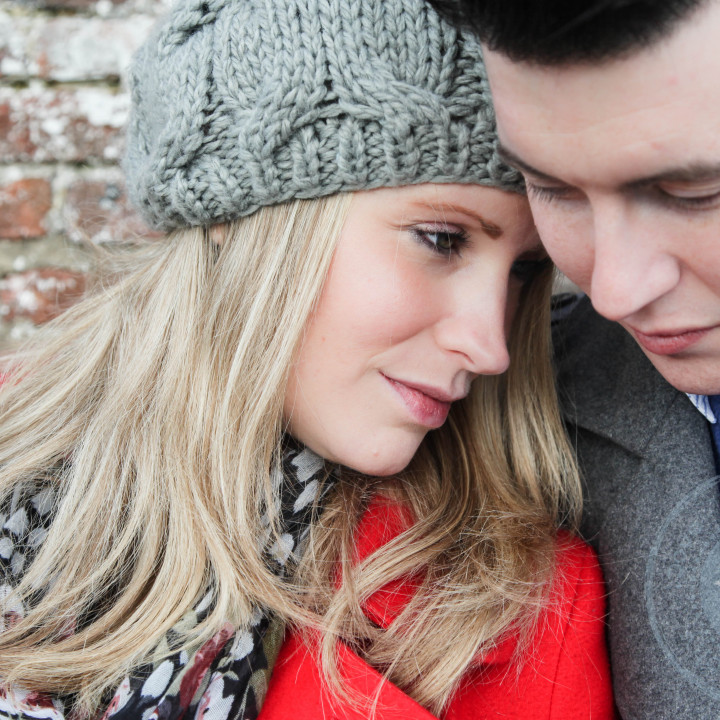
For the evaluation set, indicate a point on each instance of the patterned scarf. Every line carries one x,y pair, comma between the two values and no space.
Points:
225,678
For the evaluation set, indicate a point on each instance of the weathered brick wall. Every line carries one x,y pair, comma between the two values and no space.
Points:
63,106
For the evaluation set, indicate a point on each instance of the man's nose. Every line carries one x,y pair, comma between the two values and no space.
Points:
473,328
630,267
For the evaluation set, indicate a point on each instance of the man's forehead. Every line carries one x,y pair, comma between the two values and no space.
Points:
593,94
656,112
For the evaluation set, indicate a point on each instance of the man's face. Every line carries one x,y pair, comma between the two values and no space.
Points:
622,163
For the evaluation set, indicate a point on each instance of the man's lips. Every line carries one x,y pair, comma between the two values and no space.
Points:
428,405
670,342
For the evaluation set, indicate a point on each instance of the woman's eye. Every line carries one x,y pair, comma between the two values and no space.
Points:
443,242
525,269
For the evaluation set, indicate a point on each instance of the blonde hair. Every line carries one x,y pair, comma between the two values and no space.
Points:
157,402
159,399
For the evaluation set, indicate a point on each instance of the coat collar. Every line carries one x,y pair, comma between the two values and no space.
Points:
608,386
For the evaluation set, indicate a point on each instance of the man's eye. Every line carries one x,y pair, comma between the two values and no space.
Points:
545,193
443,242
697,196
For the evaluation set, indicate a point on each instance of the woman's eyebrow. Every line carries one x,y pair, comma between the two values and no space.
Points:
491,228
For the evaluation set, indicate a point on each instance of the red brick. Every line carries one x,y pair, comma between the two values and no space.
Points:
61,125
23,207
39,295
98,210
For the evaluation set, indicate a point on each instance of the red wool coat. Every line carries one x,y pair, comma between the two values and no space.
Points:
566,675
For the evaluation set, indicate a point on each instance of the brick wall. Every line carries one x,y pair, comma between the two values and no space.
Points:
63,105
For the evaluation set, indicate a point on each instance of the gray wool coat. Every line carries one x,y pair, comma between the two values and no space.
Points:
653,514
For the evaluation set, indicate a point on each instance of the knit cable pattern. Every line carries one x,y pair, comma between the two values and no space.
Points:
239,104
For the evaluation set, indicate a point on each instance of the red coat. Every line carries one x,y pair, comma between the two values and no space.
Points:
566,676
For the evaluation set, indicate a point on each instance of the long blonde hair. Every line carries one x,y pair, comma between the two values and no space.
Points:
157,403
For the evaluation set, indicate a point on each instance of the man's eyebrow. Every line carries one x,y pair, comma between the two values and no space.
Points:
509,157
493,230
694,172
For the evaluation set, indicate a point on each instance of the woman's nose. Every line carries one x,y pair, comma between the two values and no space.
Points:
474,327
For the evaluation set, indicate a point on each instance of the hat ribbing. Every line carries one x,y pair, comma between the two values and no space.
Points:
243,103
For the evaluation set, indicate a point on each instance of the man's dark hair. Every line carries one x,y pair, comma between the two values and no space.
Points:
558,32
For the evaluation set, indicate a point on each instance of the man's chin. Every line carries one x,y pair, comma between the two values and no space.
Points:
699,375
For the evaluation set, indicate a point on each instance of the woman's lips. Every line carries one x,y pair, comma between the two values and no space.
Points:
429,411
670,343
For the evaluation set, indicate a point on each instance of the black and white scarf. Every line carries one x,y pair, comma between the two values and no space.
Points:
226,678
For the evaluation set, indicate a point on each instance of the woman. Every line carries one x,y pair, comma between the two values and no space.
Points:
202,452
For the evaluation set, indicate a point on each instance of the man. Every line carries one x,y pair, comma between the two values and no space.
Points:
611,110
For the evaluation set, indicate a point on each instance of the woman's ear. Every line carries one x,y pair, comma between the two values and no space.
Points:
217,233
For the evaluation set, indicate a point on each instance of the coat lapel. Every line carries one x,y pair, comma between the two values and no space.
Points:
652,510
607,385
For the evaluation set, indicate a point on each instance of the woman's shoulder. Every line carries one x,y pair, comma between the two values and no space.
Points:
573,548
385,518
563,669
575,602
577,570
576,584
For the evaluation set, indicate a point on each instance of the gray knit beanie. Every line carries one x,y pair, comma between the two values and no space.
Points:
243,103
